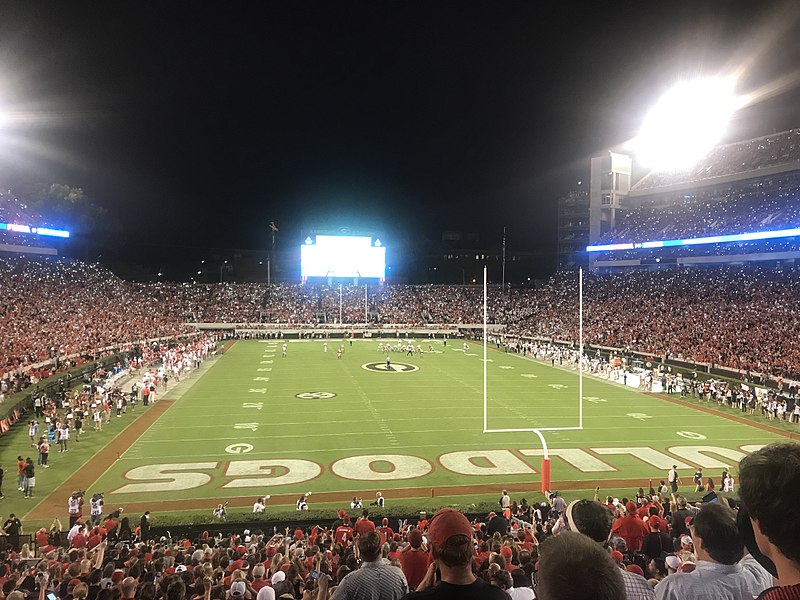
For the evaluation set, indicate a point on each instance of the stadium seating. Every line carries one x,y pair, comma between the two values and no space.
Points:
738,317
748,156
754,205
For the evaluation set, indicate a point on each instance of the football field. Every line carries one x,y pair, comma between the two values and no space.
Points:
260,423
256,423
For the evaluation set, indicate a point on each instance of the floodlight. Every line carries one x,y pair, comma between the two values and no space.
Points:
686,123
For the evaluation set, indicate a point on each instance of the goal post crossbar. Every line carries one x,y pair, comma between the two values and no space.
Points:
533,429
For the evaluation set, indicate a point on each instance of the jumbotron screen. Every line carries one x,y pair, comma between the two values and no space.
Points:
342,256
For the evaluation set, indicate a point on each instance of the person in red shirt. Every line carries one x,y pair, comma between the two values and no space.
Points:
631,528
364,525
414,559
344,533
385,530
482,554
110,524
78,540
42,538
95,538
258,578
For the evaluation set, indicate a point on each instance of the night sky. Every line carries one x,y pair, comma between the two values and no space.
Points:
198,123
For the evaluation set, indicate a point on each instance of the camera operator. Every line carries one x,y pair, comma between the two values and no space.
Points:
96,509
75,504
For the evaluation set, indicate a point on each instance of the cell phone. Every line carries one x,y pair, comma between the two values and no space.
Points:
314,575
710,497
51,596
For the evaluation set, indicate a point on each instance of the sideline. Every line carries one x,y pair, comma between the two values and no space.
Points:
683,403
421,493
54,504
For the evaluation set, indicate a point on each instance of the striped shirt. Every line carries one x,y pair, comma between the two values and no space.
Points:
789,592
376,580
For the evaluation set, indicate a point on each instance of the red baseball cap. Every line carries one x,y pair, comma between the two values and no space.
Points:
415,538
635,569
630,507
616,556
445,524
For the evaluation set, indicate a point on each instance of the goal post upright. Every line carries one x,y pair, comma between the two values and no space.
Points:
580,347
545,468
485,343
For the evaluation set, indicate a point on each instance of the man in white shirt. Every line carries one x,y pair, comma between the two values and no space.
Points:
260,504
718,573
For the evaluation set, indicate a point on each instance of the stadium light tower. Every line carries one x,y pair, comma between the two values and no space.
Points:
686,123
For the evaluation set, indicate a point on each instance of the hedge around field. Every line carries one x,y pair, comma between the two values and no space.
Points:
241,518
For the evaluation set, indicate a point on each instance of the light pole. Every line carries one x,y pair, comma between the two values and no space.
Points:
221,267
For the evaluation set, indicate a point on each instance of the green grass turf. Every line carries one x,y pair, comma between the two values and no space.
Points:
426,413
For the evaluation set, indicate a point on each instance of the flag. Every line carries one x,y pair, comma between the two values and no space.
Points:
273,227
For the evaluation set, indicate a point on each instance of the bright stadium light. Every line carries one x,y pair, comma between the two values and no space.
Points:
686,123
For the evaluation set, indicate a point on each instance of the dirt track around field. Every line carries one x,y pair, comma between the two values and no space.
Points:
391,494
56,503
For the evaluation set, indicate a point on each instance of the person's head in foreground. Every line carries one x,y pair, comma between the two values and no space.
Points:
450,535
716,536
769,480
573,567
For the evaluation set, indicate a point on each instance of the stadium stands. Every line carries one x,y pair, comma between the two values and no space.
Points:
643,535
737,317
62,308
746,187
750,156
754,205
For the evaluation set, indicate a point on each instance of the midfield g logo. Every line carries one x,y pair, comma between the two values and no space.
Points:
395,367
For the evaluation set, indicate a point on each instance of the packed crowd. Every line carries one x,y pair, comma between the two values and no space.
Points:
58,308
654,544
740,157
737,317
765,204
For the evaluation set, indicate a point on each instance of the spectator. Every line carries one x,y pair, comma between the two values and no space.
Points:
769,479
363,524
496,524
631,528
414,559
593,520
450,535
719,550
592,573
376,579
656,542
